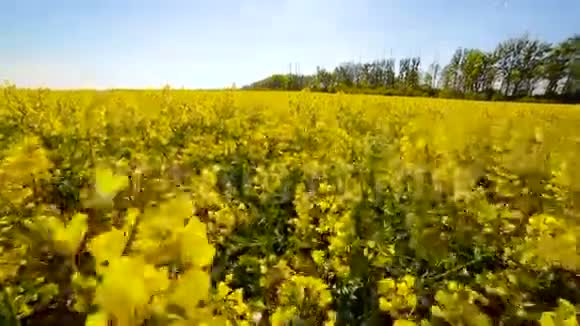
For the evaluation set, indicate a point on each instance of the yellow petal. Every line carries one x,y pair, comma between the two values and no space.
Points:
107,246
192,287
195,248
97,319
123,292
107,184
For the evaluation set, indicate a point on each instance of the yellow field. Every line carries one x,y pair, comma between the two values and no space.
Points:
298,206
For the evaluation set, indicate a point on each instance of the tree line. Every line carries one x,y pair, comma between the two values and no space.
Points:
519,68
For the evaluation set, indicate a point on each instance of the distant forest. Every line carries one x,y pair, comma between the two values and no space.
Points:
521,69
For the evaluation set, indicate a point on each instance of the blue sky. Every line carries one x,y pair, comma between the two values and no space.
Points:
213,43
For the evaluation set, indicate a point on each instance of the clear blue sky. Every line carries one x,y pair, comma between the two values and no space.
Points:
206,44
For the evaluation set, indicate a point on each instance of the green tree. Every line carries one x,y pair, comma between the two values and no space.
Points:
556,67
572,86
433,74
477,71
519,62
452,78
409,72
413,77
388,67
324,79
345,75
532,58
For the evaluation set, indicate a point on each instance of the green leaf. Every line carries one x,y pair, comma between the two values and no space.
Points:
318,256
7,314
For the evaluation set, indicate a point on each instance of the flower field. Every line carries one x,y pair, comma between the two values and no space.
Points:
177,207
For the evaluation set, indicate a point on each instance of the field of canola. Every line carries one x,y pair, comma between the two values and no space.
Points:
228,207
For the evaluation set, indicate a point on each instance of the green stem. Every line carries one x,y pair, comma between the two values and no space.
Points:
132,234
12,318
453,270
